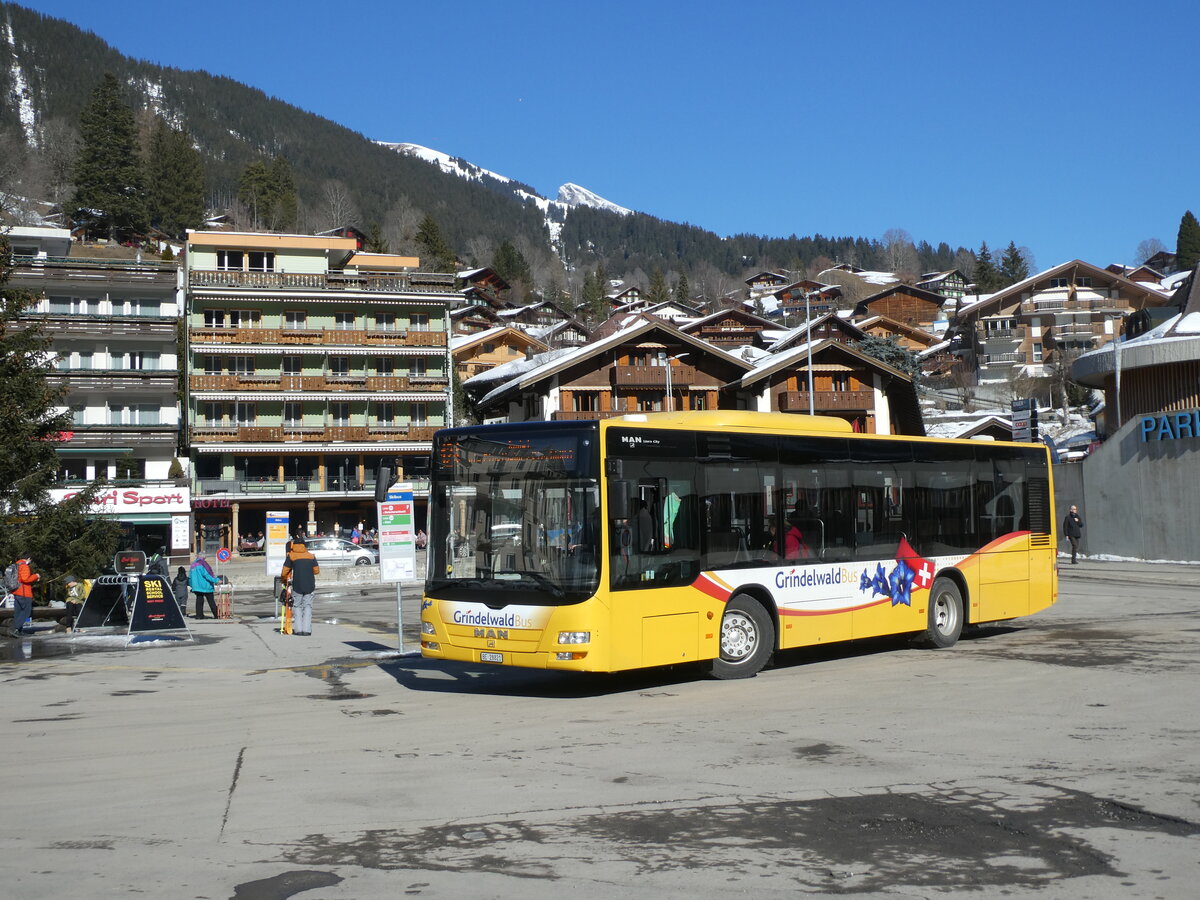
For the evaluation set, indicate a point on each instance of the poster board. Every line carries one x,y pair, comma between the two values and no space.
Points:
278,535
397,536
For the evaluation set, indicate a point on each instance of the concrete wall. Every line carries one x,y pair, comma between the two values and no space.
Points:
1139,499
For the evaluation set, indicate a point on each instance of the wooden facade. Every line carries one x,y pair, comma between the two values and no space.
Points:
906,304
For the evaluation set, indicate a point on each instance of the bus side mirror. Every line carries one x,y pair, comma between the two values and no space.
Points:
383,481
619,499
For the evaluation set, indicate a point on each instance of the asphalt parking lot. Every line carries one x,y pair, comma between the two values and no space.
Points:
1054,756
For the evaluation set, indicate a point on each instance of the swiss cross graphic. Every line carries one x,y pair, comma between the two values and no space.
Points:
922,568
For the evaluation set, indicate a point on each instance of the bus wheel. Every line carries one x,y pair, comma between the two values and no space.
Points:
747,639
945,614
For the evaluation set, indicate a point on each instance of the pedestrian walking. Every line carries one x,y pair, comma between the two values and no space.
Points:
179,587
23,595
202,580
1073,530
300,568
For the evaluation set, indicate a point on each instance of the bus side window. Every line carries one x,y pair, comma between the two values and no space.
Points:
653,535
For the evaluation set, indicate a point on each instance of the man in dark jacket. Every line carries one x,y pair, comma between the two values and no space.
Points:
301,569
1073,529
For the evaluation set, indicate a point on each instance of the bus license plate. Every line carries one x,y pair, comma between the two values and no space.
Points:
491,657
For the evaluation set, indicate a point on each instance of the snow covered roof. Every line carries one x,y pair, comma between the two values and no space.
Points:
1013,292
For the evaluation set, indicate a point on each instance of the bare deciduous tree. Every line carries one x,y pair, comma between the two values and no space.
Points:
1146,249
337,206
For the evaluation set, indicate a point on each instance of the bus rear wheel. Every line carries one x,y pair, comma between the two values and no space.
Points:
945,614
747,639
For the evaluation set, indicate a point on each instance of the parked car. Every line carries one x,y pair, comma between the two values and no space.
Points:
331,551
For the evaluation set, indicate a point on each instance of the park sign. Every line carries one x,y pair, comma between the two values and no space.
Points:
1172,426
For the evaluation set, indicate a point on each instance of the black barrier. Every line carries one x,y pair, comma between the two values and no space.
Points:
108,601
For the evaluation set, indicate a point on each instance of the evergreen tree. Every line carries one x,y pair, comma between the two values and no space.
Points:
254,191
658,292
682,290
595,299
107,173
436,253
1187,245
987,278
59,536
889,351
375,241
1012,266
510,264
285,205
174,181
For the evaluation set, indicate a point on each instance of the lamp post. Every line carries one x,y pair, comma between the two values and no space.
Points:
1117,367
670,394
808,332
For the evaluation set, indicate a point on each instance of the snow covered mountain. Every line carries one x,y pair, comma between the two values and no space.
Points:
554,211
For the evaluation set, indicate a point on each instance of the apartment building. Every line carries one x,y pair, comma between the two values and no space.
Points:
112,318
310,363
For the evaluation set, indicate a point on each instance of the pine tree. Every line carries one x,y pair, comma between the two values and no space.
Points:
174,181
254,191
285,205
1187,245
375,241
108,172
682,290
436,253
658,292
1012,266
987,278
59,536
510,264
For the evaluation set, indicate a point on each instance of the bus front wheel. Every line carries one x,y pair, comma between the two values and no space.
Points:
945,614
747,639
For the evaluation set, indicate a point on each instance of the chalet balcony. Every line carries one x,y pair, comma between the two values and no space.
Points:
232,488
316,337
72,325
585,415
991,359
317,383
106,435
797,401
94,271
314,434
651,376
158,380
395,283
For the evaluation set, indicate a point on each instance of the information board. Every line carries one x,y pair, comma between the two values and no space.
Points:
397,536
181,533
278,535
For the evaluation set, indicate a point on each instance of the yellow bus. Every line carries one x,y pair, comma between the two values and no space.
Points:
721,537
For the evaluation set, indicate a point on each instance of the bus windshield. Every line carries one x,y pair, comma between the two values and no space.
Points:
514,514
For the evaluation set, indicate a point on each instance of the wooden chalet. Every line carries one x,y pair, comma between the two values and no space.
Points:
847,384
827,327
567,333
822,298
1143,273
474,354
540,314
1069,309
626,372
905,303
484,287
730,328
910,337
951,284
472,319
627,298
765,283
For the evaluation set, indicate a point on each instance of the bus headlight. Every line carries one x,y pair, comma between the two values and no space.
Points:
574,637
427,627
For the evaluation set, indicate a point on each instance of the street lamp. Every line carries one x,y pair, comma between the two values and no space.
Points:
1116,342
808,331
670,394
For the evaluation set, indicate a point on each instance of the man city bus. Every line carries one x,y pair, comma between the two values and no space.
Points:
720,537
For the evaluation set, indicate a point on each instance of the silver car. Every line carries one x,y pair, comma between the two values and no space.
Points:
331,551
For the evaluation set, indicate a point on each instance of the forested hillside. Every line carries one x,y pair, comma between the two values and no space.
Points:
52,68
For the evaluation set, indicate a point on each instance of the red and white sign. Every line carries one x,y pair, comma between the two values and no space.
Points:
134,499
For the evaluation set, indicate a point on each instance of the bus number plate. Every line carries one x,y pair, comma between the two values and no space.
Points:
491,657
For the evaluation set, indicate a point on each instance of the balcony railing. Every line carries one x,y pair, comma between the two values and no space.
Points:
333,337
124,271
1001,358
797,401
316,434
331,383
652,376
400,282
207,487
582,415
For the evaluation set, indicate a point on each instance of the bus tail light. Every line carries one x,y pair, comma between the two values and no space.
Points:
574,637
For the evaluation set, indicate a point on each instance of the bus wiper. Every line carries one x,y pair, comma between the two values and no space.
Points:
541,580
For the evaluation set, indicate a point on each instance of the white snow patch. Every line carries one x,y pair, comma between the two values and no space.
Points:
20,90
574,195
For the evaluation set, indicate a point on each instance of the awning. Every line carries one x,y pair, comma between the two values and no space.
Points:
202,347
285,447
145,518
341,394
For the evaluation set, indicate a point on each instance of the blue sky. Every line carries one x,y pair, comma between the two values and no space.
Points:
1069,127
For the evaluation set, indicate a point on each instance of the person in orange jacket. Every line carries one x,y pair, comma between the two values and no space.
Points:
23,595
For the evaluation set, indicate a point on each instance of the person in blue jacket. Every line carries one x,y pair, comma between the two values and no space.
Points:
201,580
